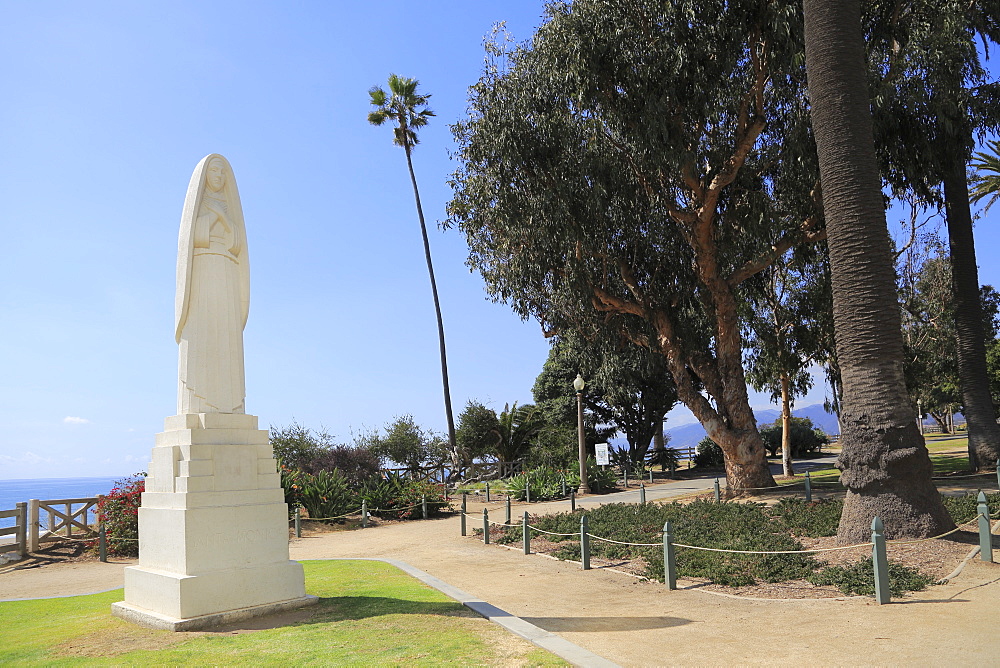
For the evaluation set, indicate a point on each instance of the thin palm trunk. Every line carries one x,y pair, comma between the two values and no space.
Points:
984,432
437,306
786,427
886,467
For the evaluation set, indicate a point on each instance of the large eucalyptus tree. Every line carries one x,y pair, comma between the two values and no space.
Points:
407,109
885,465
623,172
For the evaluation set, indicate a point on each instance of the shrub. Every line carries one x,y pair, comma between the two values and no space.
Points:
356,463
734,526
395,497
668,459
815,519
805,438
325,495
859,578
964,508
544,482
292,483
119,511
709,454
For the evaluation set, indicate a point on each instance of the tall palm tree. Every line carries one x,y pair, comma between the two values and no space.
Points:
407,109
886,467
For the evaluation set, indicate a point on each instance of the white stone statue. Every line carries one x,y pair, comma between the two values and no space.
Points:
213,292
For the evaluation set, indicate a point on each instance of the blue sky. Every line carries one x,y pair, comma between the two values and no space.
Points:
108,107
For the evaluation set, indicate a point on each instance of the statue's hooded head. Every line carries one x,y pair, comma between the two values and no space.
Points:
215,174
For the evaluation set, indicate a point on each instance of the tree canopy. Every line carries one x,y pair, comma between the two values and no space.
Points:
629,169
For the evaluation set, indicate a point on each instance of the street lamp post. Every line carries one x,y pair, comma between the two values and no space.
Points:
578,385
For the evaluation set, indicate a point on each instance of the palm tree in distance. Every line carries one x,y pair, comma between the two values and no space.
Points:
406,108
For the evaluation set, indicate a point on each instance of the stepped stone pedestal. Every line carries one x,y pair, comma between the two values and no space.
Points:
213,529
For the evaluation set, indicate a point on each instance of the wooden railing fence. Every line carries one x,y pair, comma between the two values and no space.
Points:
19,530
63,519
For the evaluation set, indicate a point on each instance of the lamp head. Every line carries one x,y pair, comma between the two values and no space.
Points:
579,383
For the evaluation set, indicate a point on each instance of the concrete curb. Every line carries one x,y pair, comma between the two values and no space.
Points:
559,646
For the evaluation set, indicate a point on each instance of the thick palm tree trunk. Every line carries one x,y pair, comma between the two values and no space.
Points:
885,464
452,445
984,432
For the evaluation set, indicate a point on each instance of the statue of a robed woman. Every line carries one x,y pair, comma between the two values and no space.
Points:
213,292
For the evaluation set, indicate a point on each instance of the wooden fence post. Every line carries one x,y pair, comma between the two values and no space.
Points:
507,514
487,491
102,543
572,500
423,506
642,494
718,495
298,523
985,536
584,543
22,529
809,489
526,533
364,513
563,483
464,509
880,562
486,526
33,527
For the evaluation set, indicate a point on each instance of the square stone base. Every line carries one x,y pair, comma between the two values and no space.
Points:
155,620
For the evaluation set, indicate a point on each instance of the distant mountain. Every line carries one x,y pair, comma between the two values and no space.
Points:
689,435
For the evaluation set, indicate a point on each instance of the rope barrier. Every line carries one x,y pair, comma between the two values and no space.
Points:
955,477
618,542
552,533
947,533
818,549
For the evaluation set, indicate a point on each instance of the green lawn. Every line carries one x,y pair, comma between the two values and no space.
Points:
370,613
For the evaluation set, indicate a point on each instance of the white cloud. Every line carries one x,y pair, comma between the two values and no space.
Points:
75,420
26,458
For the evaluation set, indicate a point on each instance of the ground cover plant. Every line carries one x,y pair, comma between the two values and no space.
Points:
370,613
730,526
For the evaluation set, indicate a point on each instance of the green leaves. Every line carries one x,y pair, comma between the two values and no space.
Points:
401,105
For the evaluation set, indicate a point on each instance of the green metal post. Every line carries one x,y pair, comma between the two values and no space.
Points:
487,491
625,470
650,474
563,482
526,533
985,536
486,526
718,495
998,473
423,506
642,494
102,543
669,564
364,513
584,543
880,562
572,500
527,492
298,522
809,488
465,507
506,519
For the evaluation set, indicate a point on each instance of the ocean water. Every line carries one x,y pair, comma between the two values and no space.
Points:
16,491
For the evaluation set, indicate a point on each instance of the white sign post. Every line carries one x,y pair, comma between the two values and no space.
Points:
602,454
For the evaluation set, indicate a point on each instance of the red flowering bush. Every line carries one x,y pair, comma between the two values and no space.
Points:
119,511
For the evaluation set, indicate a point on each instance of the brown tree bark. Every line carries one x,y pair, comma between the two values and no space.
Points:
977,402
885,465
